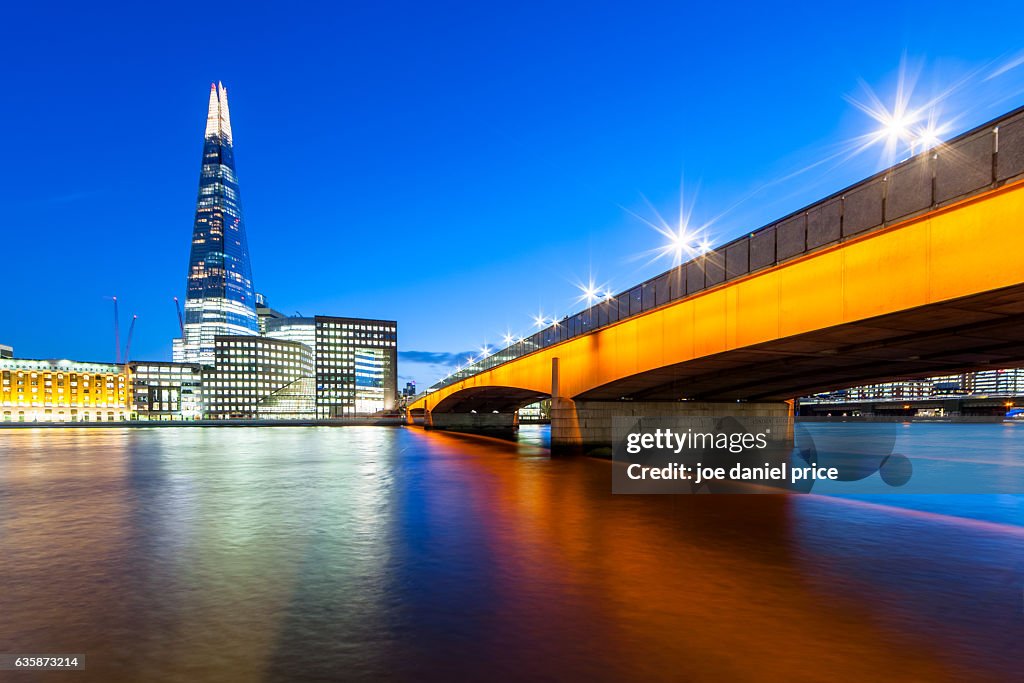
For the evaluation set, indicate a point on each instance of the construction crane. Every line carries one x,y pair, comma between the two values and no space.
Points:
117,335
128,346
181,323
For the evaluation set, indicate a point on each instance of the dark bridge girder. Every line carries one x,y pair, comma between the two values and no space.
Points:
488,400
979,332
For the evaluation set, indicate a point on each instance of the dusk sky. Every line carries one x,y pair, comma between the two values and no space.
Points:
455,167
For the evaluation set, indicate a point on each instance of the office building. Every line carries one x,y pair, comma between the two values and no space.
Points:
6,351
1004,382
302,330
248,371
356,362
264,313
166,391
219,299
892,391
62,391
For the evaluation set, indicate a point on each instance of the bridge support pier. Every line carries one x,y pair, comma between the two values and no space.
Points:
475,423
585,427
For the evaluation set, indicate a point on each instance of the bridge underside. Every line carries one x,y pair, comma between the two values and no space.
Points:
985,331
488,400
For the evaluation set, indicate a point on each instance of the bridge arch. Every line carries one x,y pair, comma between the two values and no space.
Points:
488,399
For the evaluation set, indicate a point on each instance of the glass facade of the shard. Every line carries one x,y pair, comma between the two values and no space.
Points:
220,299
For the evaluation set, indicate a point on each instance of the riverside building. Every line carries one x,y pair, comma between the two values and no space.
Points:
163,391
253,376
62,391
355,362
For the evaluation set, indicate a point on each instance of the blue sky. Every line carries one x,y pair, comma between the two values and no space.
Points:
454,166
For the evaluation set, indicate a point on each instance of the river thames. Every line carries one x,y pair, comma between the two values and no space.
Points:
362,553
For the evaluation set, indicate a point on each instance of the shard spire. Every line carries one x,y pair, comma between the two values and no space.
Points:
225,115
218,117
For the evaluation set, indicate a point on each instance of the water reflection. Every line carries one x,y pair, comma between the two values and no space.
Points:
344,554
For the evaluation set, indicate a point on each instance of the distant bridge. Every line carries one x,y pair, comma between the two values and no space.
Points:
915,271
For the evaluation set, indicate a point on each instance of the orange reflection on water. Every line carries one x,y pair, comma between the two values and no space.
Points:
669,587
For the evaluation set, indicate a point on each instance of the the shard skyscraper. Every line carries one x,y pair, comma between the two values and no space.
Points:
220,298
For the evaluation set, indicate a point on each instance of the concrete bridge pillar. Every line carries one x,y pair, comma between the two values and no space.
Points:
477,423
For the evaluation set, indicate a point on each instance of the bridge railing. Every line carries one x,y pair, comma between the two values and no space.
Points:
981,159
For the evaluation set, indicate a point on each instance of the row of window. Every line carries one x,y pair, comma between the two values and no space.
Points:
60,375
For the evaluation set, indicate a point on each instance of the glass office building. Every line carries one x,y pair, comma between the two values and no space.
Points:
356,362
220,299
250,370
302,330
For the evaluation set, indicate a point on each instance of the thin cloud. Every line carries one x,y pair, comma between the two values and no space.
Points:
435,357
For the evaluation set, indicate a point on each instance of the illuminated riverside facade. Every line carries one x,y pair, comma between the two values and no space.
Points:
1002,382
249,371
984,392
166,391
220,299
355,366
356,362
62,391
304,368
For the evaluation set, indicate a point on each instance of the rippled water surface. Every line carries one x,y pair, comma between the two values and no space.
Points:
280,554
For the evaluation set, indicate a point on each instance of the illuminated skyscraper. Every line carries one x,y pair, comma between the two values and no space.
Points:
220,299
